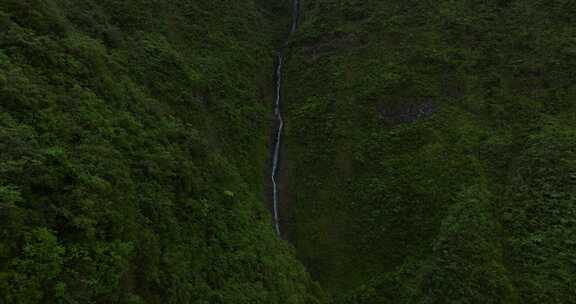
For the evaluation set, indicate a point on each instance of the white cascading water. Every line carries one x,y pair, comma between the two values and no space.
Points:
280,120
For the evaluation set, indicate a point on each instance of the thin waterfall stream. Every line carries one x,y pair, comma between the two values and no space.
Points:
279,71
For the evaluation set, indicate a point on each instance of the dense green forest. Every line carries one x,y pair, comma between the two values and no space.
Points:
432,150
133,153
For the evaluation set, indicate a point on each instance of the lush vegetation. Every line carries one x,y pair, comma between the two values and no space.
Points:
133,150
432,150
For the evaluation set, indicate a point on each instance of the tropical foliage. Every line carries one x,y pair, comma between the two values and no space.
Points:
431,150
124,128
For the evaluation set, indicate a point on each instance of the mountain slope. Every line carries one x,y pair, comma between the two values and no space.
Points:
134,139
431,150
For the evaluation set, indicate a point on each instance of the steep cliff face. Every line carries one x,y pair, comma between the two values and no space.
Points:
431,149
133,148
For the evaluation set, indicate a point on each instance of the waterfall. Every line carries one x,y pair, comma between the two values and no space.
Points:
279,71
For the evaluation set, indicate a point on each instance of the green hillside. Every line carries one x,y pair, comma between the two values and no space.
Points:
432,150
133,153
429,154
